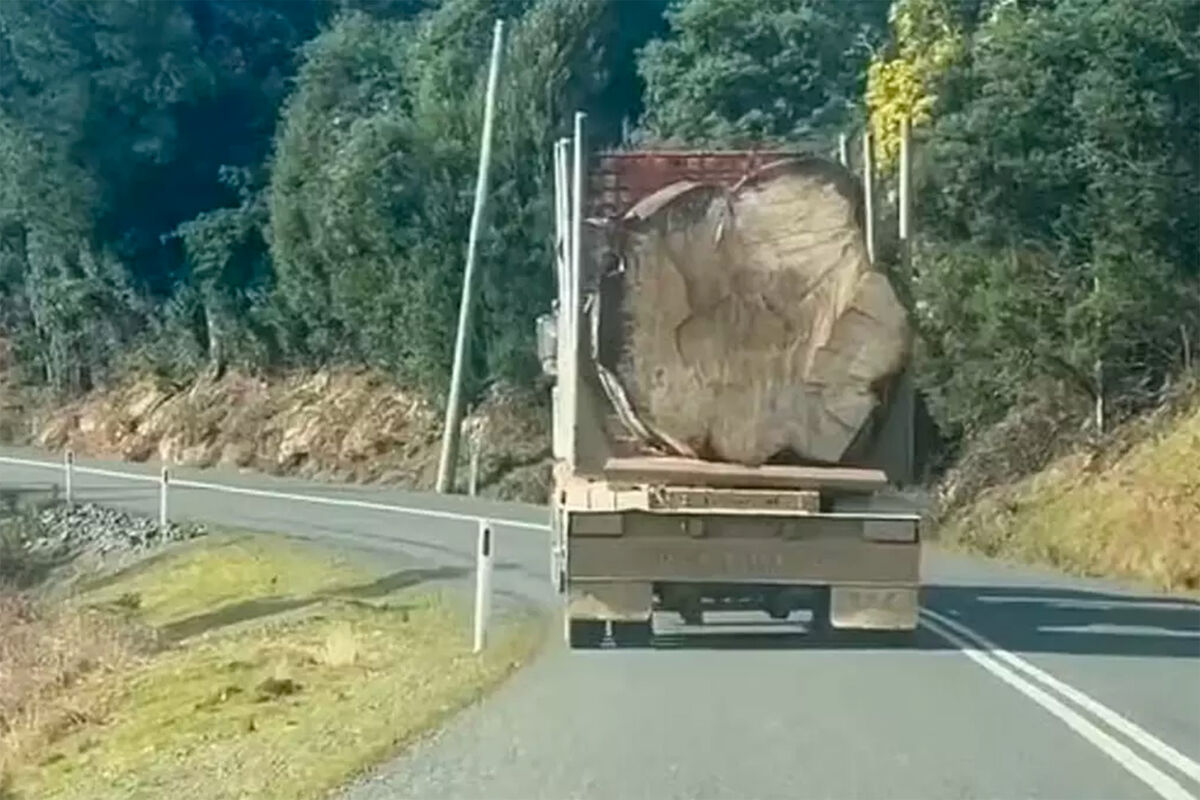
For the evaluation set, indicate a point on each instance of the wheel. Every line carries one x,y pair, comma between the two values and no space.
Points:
632,634
585,634
821,622
779,606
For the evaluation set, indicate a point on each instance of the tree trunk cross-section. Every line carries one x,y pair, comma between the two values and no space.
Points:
753,322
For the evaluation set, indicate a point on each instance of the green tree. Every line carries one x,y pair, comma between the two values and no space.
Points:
124,112
1056,192
370,192
731,71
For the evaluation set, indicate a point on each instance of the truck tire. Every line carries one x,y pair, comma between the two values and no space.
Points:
821,623
632,634
585,634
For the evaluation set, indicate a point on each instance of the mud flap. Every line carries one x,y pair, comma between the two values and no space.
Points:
602,600
881,608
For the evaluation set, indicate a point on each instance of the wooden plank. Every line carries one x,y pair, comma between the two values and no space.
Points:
693,472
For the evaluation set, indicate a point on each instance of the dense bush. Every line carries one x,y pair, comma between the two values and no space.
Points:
189,183
370,196
786,70
1059,187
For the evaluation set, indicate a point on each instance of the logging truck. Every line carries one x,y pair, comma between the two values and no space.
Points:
732,409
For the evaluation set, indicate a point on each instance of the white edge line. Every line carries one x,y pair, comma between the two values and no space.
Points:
1120,723
1164,785
301,498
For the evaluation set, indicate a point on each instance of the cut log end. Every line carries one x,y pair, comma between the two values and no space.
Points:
753,322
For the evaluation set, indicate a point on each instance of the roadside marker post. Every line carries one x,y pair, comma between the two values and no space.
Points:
69,476
476,443
484,555
163,481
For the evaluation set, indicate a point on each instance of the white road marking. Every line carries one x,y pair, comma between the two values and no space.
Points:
1162,784
1134,603
1123,630
299,498
1138,734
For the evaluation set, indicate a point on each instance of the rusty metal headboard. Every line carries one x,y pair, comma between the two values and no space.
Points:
619,180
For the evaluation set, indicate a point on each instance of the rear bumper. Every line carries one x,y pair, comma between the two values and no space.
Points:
810,549
617,563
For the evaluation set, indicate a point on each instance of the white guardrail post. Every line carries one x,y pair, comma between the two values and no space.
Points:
484,555
163,481
69,476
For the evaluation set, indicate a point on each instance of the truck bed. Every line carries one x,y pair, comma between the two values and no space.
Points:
679,471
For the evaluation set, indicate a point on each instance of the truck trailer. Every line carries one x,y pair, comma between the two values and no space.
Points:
642,522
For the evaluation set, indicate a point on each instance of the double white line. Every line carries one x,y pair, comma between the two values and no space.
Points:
1053,695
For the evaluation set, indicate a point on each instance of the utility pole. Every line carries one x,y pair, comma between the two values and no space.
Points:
450,433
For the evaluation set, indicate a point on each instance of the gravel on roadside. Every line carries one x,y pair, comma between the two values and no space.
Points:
65,532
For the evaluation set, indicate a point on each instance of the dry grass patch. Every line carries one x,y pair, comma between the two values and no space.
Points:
47,655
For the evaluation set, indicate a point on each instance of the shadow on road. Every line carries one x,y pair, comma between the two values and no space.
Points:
1043,620
1019,619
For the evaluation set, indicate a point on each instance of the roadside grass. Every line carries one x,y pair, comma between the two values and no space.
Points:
1135,516
276,670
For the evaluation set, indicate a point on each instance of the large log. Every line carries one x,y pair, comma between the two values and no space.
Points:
753,323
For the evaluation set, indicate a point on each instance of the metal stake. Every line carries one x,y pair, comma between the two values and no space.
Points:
868,180
906,196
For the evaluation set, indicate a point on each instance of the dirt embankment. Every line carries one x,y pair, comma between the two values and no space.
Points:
349,425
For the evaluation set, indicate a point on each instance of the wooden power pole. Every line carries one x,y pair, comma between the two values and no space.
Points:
450,433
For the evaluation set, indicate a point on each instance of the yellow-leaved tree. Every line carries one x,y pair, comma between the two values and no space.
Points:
927,39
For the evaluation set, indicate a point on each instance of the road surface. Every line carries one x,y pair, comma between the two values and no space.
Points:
1021,683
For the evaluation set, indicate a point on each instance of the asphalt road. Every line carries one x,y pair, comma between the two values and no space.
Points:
1021,683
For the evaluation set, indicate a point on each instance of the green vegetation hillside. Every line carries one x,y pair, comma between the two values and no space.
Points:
195,188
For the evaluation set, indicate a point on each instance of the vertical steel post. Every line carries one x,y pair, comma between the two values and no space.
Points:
868,185
453,421
906,196
574,285
843,150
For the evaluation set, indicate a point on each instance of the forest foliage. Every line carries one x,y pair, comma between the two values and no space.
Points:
188,184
